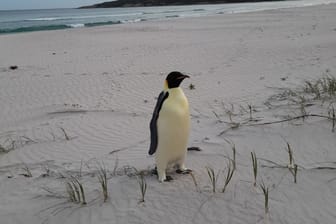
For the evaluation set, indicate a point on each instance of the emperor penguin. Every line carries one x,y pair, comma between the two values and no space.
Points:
170,127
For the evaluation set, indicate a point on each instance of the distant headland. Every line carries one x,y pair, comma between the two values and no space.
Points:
138,3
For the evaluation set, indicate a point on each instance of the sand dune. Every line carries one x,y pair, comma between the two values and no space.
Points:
81,97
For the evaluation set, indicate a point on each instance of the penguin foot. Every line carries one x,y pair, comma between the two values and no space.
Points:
168,179
154,171
186,171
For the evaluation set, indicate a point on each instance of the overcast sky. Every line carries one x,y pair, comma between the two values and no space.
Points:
45,4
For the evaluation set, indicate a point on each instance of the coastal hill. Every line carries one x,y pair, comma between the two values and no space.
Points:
137,3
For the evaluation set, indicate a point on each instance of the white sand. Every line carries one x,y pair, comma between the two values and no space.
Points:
99,85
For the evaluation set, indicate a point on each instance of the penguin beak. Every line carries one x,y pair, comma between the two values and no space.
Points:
183,77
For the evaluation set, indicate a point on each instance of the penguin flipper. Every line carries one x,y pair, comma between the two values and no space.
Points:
153,123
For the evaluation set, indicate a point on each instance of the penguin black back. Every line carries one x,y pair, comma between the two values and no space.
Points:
153,123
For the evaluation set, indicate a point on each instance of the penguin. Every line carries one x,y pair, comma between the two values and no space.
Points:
170,127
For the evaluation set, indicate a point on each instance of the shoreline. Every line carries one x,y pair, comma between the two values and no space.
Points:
60,26
129,5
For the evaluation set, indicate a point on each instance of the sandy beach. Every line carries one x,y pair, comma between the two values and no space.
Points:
82,98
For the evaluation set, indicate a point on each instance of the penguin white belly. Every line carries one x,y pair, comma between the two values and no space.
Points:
173,131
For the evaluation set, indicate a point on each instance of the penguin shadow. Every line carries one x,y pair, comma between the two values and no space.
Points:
194,148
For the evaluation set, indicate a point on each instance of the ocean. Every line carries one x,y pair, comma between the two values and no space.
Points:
15,21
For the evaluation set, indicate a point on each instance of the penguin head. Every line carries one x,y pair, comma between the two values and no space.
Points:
174,79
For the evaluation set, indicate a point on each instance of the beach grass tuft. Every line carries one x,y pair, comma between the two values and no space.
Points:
331,114
265,191
250,111
66,136
294,172
194,181
102,178
290,156
302,103
213,177
254,167
322,87
234,156
27,172
230,169
75,190
292,166
143,186
7,145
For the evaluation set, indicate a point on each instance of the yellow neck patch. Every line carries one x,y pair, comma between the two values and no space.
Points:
165,85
